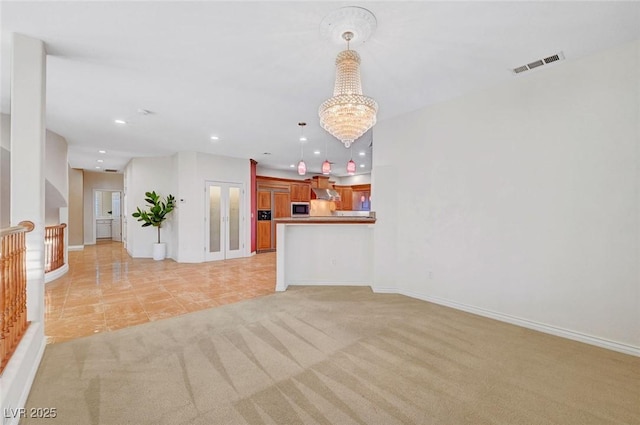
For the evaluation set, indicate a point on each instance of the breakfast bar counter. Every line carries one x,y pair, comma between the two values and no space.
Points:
330,250
327,220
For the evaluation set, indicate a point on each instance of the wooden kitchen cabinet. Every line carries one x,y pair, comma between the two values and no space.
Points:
264,200
282,202
300,192
263,235
346,199
282,209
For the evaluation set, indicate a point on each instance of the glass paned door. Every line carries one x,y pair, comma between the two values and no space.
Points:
234,219
224,219
215,219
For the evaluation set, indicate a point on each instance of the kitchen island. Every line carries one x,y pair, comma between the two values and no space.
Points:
330,250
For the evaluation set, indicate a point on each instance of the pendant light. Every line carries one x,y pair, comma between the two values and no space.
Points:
351,165
302,167
326,165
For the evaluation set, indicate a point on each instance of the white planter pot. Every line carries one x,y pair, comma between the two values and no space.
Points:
159,251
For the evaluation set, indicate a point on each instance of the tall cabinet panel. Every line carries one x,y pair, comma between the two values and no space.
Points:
282,209
224,218
282,205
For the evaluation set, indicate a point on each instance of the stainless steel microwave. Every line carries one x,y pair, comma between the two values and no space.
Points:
300,209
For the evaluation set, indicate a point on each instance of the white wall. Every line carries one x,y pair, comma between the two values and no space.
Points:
57,175
5,170
353,180
96,181
334,254
183,175
76,214
221,169
281,174
521,201
146,175
190,211
56,161
28,101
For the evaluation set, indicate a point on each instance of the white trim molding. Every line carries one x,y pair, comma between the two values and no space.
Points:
55,274
388,290
541,327
20,372
76,248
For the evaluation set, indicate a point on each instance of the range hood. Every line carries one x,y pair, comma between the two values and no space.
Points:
326,194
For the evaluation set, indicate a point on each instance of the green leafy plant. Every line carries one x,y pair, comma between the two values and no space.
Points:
157,212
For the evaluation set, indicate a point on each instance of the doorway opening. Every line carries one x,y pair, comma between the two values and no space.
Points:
107,213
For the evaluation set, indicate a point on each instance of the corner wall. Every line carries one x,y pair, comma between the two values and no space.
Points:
183,175
520,202
56,171
76,207
146,175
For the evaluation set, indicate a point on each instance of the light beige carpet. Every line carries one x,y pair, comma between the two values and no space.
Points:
334,355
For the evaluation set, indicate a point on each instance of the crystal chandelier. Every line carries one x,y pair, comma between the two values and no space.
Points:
348,114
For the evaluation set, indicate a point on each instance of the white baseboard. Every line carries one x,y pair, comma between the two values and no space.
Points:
75,248
382,290
59,272
564,333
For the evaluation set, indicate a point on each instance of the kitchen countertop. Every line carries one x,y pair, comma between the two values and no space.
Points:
326,220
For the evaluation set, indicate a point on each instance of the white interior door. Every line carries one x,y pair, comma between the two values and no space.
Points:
116,224
224,220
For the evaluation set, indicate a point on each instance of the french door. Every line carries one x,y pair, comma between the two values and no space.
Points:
224,220
116,223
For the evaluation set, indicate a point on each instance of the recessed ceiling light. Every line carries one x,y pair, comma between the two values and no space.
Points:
303,139
97,167
101,151
215,138
292,166
316,152
362,153
101,160
120,121
361,165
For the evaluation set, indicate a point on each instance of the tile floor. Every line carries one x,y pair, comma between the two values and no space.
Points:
105,289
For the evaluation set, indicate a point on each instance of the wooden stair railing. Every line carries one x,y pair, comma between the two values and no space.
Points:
53,247
13,288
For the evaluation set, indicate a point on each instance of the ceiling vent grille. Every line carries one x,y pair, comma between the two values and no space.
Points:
109,170
537,63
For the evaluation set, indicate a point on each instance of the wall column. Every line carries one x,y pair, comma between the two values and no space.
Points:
28,91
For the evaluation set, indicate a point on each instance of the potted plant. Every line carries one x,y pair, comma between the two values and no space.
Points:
154,216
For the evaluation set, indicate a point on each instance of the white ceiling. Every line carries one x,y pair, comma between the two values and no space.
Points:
250,71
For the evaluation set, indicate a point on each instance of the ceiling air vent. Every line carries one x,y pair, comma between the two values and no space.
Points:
552,59
535,64
521,69
109,170
538,63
